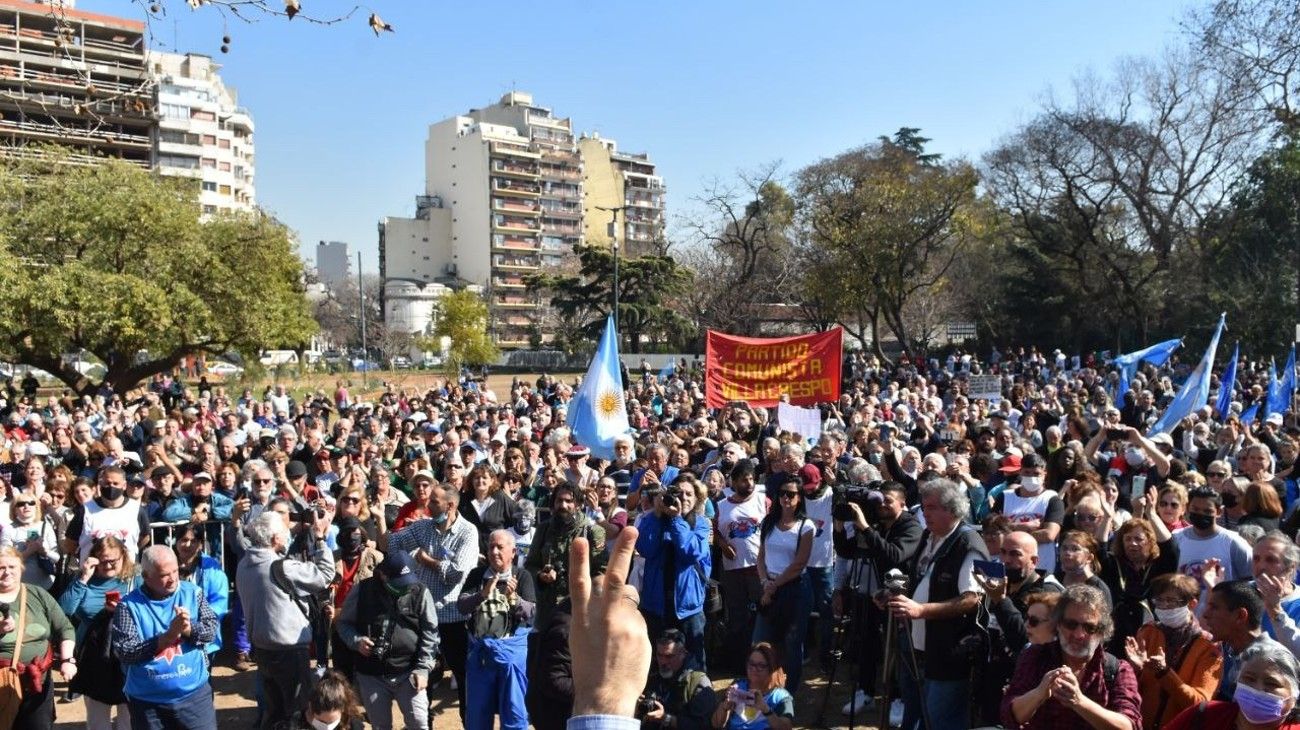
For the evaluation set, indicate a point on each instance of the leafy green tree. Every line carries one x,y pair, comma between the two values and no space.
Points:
113,259
892,220
462,317
647,284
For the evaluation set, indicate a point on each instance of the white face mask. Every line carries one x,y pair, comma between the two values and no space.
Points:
322,725
1134,457
1033,485
1174,618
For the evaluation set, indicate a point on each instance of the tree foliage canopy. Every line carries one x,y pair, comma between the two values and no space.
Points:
114,260
462,317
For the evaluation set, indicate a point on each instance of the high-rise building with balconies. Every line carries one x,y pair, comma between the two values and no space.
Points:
76,79
625,185
503,198
203,133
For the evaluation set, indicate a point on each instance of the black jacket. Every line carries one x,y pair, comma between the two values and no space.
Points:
953,659
550,672
894,548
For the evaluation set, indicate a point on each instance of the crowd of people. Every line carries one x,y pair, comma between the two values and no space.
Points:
1038,560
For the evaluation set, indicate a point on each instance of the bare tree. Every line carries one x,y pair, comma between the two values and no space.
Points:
1257,41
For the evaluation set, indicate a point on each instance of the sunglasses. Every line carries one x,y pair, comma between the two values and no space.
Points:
24,504
789,494
351,500
264,481
1218,474
1070,624
1034,621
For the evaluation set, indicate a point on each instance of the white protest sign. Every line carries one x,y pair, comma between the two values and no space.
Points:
987,387
806,422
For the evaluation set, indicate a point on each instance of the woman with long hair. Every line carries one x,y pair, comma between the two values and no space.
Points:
485,506
785,544
331,704
759,699
1081,562
106,576
1140,551
204,571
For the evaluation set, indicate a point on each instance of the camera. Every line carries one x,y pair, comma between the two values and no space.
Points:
645,704
672,497
867,497
307,515
895,582
383,638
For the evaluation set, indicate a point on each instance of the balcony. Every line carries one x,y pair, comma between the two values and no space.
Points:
501,167
563,229
513,302
526,263
508,187
505,149
512,223
63,134
530,208
554,172
511,282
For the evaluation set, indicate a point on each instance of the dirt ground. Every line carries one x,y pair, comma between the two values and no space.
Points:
237,709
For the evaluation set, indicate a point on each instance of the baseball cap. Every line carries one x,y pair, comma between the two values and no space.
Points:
1010,464
295,468
398,569
810,475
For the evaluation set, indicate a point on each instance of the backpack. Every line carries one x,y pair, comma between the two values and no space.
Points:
311,605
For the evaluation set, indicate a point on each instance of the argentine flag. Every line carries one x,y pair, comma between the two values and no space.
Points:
1195,391
597,413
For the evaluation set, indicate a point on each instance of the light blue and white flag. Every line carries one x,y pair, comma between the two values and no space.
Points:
1228,384
668,371
597,413
1280,394
1156,354
1195,391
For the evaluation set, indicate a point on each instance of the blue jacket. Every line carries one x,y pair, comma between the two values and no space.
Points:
692,562
179,509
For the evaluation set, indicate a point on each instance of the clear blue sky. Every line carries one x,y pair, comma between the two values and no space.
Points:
706,88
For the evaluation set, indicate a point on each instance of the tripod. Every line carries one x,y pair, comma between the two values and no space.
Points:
840,641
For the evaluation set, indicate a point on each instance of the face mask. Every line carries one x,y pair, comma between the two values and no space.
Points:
1134,458
1015,575
352,543
440,519
1229,499
1033,485
1174,618
1256,706
1201,522
398,592
873,458
111,494
322,725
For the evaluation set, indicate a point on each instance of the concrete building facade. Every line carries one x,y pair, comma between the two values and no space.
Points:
503,198
203,133
333,263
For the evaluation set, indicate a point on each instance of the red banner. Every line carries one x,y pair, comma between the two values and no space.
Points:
760,371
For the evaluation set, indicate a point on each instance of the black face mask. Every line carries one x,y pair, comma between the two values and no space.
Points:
111,494
352,543
1015,575
1201,522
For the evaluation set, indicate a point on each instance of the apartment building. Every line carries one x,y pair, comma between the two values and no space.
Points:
333,264
74,78
203,133
503,198
628,184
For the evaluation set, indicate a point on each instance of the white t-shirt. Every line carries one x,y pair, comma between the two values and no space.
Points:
120,522
781,546
1021,510
738,524
823,549
1231,550
965,582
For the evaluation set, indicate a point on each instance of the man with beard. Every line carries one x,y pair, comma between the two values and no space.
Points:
1072,682
738,539
680,697
548,555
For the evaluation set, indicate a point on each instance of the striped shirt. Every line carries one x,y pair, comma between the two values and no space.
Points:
457,549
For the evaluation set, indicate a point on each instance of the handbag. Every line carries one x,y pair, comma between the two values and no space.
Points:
11,686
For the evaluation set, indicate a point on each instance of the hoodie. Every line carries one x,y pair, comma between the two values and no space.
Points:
275,619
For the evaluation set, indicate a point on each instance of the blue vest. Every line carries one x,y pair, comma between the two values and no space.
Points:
177,670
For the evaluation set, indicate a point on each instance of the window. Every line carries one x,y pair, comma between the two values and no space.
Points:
209,210
202,116
209,139
181,161
208,162
210,187
224,167
223,144
174,111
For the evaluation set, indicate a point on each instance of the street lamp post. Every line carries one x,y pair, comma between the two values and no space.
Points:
613,243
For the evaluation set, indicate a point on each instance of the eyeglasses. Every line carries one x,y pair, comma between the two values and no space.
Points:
1070,624
792,495
351,500
1170,505
1213,474
760,666
1035,621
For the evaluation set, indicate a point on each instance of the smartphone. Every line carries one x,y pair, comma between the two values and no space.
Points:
1138,487
112,597
1115,434
991,568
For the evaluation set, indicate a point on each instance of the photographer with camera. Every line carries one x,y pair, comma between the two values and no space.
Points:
676,695
274,590
389,620
677,564
885,536
944,644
